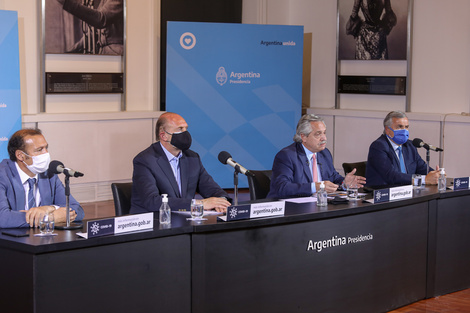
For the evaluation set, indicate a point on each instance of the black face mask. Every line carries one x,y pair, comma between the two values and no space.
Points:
181,140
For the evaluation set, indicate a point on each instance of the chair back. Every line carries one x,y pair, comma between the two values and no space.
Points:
259,184
359,166
122,197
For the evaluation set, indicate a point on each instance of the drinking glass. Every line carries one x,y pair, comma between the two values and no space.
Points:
352,190
197,210
46,224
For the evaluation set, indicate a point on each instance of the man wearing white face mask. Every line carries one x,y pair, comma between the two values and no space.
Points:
26,192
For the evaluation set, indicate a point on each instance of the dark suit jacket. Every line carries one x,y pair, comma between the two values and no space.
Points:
153,177
292,176
383,166
13,198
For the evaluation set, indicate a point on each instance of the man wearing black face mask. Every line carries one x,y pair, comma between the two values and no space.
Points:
169,167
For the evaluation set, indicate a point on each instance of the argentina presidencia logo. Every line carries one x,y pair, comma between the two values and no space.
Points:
221,76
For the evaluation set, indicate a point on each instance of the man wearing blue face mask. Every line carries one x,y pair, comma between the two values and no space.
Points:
170,167
392,157
26,191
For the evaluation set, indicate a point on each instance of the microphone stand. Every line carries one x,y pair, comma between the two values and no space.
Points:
235,183
427,160
68,225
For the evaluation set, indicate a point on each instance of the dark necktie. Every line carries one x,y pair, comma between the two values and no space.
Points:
31,198
402,162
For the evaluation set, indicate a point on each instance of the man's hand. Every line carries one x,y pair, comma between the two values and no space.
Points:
329,186
351,178
215,203
60,215
433,176
34,215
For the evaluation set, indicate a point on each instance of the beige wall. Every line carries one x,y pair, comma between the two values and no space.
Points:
439,86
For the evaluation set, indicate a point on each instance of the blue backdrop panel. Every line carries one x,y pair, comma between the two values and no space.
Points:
10,96
239,87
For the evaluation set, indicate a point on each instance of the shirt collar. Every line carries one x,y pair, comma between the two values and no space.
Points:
308,153
170,156
23,176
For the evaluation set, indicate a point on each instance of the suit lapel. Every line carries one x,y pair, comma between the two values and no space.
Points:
184,171
392,152
304,161
20,196
162,162
44,189
321,161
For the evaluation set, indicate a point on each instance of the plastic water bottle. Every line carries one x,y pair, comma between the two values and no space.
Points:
322,198
441,183
165,211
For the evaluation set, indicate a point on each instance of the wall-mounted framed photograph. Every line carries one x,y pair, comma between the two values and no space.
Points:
373,29
84,26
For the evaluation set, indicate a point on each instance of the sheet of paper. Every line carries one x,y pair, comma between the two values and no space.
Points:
206,213
301,200
83,235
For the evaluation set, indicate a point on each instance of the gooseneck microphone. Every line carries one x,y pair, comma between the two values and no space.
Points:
57,167
226,158
418,143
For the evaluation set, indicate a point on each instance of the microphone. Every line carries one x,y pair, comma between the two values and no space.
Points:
418,143
226,158
56,167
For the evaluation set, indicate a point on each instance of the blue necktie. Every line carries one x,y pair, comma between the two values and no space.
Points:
31,199
175,166
402,162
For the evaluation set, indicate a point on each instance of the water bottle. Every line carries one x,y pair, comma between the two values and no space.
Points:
441,183
322,199
165,211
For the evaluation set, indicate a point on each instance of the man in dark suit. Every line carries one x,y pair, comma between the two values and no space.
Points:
26,191
299,168
169,167
392,157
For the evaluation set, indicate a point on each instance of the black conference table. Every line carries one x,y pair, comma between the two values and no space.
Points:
355,257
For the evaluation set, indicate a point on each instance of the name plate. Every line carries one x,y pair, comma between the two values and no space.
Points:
395,193
378,85
118,225
461,183
255,210
84,83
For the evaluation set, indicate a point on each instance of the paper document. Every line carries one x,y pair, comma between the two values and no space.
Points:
206,213
83,235
301,200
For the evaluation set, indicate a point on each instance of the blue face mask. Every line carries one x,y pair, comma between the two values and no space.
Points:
400,136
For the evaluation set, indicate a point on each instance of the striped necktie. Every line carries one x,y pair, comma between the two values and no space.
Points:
31,198
402,162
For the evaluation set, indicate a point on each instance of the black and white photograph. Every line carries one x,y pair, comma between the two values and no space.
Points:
84,27
372,29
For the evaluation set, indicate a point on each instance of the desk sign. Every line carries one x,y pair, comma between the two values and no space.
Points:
118,225
395,193
461,183
255,210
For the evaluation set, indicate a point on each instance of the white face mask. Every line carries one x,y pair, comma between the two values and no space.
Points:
40,163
